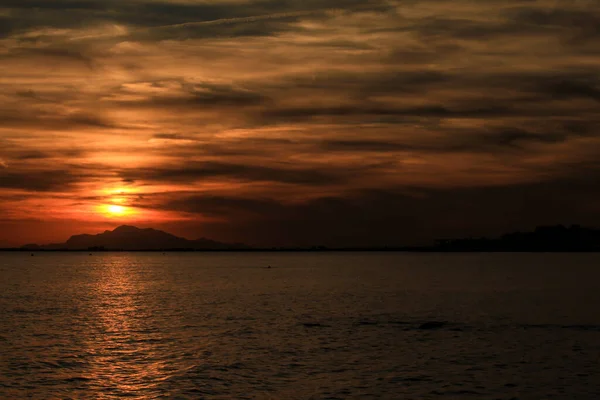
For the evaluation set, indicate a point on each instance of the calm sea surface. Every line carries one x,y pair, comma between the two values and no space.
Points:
314,326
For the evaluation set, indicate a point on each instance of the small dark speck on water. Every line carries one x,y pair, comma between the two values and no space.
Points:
432,325
313,325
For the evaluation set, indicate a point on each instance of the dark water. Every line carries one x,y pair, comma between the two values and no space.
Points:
315,326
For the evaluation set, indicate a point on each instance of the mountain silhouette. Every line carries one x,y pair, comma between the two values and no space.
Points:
131,238
543,238
557,238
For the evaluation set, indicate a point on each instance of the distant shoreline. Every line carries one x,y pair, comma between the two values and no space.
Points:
544,239
301,250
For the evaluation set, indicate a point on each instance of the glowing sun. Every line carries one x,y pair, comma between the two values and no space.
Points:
116,210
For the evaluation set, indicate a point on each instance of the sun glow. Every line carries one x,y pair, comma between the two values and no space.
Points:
115,210
116,203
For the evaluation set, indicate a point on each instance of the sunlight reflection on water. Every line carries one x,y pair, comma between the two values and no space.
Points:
127,348
191,326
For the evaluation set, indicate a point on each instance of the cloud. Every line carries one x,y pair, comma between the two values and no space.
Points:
39,180
573,24
33,54
245,172
164,19
303,112
202,95
394,216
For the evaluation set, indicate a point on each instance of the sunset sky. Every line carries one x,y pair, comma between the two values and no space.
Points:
298,122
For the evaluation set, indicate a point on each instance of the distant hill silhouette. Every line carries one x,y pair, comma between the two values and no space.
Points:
131,238
543,238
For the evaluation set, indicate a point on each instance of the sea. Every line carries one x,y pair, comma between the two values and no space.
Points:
312,326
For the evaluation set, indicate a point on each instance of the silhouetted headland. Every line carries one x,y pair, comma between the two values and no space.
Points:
129,238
